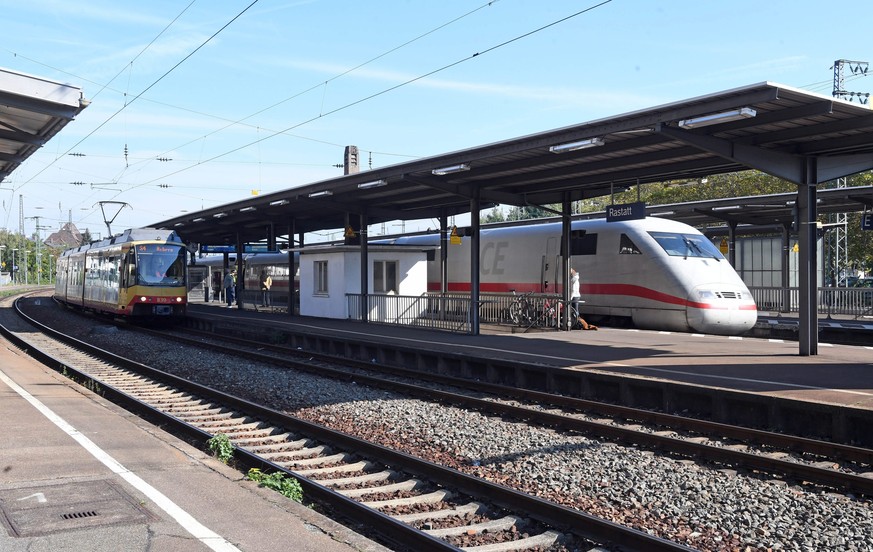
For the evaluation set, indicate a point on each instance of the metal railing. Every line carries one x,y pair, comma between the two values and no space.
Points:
852,301
451,311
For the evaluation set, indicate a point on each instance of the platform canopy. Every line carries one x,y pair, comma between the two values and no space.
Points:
770,127
32,111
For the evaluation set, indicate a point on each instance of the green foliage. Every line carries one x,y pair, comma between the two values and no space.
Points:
279,482
495,215
221,447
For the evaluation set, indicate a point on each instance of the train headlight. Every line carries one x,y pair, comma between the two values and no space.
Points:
143,299
706,294
178,299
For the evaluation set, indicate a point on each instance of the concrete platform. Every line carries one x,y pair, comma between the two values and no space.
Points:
759,382
80,473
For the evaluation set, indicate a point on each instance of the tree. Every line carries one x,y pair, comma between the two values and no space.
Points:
495,215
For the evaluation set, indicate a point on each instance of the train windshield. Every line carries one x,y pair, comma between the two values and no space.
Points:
160,265
686,245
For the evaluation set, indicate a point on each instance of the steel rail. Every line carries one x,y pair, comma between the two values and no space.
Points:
578,523
847,482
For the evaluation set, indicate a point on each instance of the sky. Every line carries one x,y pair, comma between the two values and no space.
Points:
195,104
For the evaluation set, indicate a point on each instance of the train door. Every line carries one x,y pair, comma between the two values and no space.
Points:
549,272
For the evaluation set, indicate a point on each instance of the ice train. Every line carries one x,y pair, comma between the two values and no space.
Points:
661,274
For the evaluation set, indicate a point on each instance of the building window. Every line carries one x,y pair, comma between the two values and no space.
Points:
320,278
385,277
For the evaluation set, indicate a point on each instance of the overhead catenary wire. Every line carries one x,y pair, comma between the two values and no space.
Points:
381,92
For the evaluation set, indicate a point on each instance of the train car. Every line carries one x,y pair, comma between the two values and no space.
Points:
274,264
141,273
661,274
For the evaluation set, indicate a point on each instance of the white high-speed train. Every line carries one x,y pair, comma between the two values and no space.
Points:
661,274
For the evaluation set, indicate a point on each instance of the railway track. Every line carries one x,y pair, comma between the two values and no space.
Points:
409,502
845,468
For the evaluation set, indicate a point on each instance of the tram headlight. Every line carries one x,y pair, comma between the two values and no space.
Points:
143,299
178,299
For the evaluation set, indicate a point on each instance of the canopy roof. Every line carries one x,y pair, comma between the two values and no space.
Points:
789,133
32,111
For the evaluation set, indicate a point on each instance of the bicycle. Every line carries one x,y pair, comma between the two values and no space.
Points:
521,310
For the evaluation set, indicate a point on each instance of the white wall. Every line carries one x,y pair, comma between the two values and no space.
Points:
344,276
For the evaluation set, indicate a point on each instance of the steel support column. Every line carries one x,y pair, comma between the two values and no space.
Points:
444,252
565,260
240,271
474,263
786,269
807,259
292,267
365,274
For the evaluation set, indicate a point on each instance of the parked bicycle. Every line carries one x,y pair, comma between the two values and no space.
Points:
522,311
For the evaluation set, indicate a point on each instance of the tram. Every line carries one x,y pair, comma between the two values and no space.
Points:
140,273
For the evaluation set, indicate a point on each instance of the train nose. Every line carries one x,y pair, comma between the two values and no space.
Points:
721,311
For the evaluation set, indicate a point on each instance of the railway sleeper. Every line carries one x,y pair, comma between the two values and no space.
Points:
363,465
542,541
235,425
320,460
274,439
278,443
429,498
290,455
459,511
408,485
234,433
374,477
236,419
503,524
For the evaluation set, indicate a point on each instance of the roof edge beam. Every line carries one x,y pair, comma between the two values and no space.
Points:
455,189
782,165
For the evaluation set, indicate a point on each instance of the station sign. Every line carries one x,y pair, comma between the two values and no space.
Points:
247,248
867,221
626,211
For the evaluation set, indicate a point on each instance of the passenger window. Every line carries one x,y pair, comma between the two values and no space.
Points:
628,247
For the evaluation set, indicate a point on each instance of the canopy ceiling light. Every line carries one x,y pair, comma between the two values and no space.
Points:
452,169
581,144
374,184
219,215
278,203
247,209
321,193
718,118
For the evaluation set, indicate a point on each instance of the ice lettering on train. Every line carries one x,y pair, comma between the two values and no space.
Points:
492,258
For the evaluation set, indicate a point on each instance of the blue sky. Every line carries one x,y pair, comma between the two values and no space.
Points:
270,101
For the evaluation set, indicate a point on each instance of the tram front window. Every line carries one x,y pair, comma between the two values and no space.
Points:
686,245
161,265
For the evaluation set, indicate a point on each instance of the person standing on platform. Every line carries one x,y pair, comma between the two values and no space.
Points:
576,300
266,284
228,288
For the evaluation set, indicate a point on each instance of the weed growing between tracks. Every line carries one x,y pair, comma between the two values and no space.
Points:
279,482
221,447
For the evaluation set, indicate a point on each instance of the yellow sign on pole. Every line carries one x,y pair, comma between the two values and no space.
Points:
350,232
723,246
454,238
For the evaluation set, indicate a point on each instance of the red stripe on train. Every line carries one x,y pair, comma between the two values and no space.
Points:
628,290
